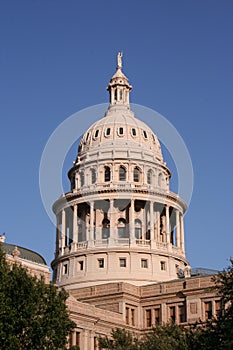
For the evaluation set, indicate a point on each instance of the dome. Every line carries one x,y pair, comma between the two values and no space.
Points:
24,253
120,129
119,221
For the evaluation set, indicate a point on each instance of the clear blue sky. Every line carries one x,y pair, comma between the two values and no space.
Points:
56,57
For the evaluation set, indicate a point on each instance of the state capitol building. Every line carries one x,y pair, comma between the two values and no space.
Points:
120,239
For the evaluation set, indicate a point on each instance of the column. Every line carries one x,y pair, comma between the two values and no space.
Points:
157,226
87,225
58,233
63,233
182,232
111,219
152,220
177,228
75,223
131,222
91,237
167,224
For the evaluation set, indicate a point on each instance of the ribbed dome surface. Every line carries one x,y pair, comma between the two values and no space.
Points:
120,128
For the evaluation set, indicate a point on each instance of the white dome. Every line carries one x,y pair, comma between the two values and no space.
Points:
120,129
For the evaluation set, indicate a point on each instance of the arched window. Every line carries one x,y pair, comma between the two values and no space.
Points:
149,177
136,174
138,229
105,229
160,180
121,131
115,95
108,131
82,178
121,227
93,176
122,173
134,133
107,174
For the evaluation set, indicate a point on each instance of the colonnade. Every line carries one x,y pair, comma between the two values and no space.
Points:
159,223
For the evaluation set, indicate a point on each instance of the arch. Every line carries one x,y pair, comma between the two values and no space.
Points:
121,228
122,173
138,229
107,174
93,176
105,229
149,176
136,174
82,178
161,180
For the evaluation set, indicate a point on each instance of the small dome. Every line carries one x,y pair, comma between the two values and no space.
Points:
23,253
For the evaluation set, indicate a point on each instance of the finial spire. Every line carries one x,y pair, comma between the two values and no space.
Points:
119,60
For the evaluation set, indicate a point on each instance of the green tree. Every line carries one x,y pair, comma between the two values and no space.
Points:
33,314
121,339
168,336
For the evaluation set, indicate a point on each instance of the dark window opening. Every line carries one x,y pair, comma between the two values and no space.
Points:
136,175
122,173
148,318
121,131
173,313
122,262
81,265
134,133
101,263
107,174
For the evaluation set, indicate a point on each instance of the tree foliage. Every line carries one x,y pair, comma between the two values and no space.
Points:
121,339
168,336
33,314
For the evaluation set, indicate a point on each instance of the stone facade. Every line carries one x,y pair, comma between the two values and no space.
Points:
120,240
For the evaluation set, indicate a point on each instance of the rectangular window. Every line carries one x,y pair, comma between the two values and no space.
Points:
101,263
157,315
144,263
172,310
132,317
65,269
122,262
208,310
77,338
148,318
81,265
163,265
218,308
182,313
127,315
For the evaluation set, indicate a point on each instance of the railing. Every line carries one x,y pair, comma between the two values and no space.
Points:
143,242
126,242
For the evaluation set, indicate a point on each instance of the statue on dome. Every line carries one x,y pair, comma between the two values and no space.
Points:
119,59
